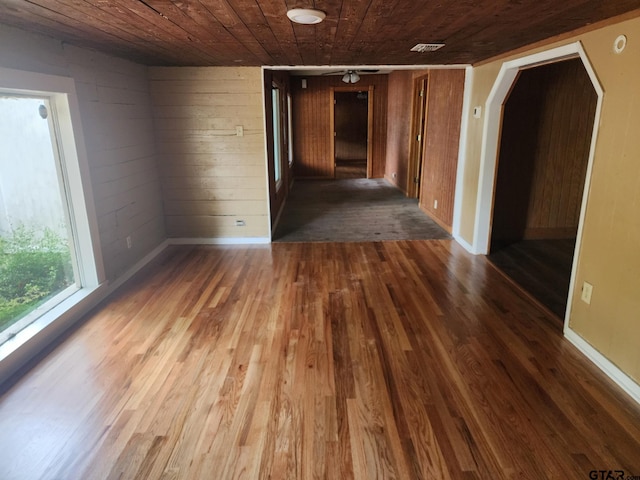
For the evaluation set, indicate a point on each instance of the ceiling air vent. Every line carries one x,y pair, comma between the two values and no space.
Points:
427,47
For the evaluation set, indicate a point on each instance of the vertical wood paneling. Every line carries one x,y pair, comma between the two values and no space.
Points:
209,172
548,121
311,124
399,109
117,124
444,107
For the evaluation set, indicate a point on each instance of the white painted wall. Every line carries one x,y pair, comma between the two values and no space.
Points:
118,129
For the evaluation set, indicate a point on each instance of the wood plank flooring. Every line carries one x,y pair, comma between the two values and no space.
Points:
407,359
542,268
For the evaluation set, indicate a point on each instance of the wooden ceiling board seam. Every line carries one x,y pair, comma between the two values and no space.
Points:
349,24
325,37
230,21
112,25
237,52
275,15
147,14
251,15
57,21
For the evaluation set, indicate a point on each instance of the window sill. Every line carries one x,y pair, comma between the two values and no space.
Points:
32,339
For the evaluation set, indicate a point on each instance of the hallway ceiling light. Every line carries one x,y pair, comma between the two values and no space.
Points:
305,16
351,77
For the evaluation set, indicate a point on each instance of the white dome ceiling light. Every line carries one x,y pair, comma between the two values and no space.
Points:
306,16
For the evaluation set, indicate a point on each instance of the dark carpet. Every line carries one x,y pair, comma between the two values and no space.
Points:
352,210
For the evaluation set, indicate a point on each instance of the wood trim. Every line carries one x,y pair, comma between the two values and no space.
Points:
370,107
412,188
332,124
332,131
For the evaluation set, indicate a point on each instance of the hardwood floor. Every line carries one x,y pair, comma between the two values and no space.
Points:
542,268
315,360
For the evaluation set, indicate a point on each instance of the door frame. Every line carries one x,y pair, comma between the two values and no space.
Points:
332,125
416,148
491,147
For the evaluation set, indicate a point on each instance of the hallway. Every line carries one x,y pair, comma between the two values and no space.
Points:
352,210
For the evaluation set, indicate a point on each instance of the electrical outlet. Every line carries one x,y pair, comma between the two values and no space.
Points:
129,242
587,290
239,131
435,204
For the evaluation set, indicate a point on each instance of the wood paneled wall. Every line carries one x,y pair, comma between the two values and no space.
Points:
546,135
444,113
211,177
399,113
311,124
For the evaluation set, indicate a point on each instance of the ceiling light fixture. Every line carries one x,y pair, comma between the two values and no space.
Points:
351,77
306,16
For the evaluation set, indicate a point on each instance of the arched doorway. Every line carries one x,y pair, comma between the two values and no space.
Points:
542,162
492,135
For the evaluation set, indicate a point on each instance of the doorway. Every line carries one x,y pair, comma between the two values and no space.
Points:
352,124
418,134
547,127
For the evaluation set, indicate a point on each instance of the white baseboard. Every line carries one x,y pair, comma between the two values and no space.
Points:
117,283
466,245
614,373
220,241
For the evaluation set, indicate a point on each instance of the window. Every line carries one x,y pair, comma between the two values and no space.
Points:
290,129
50,260
37,257
277,134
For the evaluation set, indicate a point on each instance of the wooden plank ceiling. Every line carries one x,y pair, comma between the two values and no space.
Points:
355,32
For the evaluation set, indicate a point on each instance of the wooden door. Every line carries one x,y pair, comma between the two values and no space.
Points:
418,124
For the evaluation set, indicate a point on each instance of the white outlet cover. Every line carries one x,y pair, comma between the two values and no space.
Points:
587,290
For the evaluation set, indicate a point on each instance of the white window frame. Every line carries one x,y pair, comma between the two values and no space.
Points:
276,115
63,99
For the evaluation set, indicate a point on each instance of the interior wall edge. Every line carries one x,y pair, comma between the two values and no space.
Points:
630,386
467,113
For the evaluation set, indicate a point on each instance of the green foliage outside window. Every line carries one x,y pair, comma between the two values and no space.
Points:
34,265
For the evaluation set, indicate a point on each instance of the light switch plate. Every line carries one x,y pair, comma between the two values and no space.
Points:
587,290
